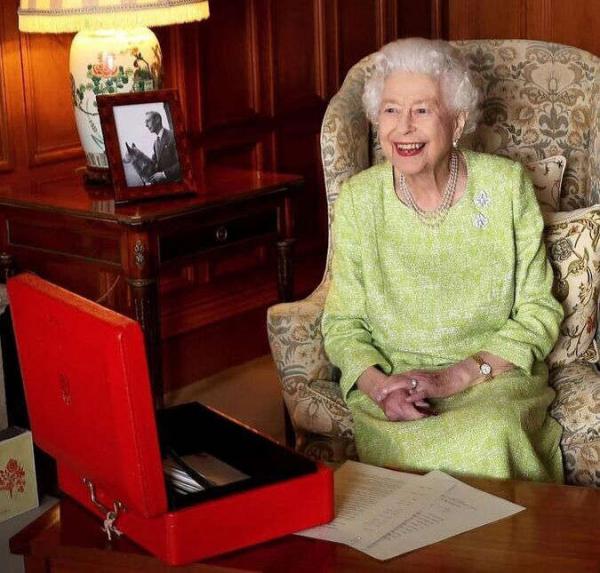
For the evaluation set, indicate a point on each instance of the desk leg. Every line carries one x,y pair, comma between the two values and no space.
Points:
285,270
144,296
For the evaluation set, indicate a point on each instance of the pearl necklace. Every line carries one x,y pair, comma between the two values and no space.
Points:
433,218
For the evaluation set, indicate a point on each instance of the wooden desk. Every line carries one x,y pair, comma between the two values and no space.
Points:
76,237
558,531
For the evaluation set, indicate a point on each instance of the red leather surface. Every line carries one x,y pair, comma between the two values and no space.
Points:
215,527
88,395
87,390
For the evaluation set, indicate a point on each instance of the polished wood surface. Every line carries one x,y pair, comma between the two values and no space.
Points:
558,531
572,23
67,194
176,265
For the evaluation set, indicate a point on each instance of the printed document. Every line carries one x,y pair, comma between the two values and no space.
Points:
385,513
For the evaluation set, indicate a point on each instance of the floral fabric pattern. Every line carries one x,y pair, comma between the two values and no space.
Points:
572,245
546,176
539,100
576,408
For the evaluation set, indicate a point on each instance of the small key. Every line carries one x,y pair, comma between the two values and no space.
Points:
109,527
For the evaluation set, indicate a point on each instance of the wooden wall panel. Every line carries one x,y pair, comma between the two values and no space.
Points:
571,23
471,19
413,19
299,152
539,19
50,118
12,124
232,88
5,147
356,41
245,155
297,68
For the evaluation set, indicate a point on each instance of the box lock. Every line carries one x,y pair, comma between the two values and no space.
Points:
110,515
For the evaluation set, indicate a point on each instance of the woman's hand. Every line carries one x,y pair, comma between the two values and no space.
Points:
440,383
391,394
398,407
453,379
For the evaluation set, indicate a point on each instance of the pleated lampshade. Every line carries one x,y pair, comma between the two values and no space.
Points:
57,16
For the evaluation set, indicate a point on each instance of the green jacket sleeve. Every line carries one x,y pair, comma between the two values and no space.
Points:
532,329
345,325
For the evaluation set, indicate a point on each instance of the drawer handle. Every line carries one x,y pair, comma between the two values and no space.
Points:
221,234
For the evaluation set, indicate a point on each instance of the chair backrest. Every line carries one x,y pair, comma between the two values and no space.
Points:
538,100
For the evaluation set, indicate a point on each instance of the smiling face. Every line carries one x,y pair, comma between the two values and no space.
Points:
416,129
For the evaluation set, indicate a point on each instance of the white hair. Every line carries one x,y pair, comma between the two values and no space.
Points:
435,58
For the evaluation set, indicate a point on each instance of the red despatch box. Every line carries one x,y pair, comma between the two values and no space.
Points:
90,405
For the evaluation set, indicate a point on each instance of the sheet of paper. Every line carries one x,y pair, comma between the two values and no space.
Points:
371,501
459,509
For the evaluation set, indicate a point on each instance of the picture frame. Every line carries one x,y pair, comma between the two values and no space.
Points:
146,145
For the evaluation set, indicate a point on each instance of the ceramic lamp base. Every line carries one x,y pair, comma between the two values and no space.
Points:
109,62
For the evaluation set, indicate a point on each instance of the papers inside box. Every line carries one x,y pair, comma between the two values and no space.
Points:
239,456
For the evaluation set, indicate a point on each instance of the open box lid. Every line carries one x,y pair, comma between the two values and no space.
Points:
88,392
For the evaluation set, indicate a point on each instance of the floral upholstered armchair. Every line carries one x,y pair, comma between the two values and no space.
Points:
541,105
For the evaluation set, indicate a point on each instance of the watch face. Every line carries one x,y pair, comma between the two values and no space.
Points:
485,369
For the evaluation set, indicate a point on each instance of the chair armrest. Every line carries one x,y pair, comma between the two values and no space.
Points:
294,330
577,409
309,381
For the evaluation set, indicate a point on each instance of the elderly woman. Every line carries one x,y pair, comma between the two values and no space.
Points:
440,311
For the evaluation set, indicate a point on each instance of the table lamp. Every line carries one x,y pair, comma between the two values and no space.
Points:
113,52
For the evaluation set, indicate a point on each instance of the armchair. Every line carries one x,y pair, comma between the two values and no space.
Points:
539,100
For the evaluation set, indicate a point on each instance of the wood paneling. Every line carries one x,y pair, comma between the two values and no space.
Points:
414,19
357,40
571,23
5,149
298,73
471,19
50,119
299,152
232,86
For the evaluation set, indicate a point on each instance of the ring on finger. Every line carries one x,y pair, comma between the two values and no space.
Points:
414,383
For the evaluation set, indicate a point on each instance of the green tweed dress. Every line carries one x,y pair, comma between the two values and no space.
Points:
406,296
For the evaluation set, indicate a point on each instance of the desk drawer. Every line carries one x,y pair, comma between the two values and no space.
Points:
196,240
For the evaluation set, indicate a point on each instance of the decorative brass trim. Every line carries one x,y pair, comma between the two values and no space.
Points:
139,253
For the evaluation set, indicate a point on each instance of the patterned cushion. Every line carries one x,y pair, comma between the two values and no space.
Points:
546,176
576,408
540,99
572,243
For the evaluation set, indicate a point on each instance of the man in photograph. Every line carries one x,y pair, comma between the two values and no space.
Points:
164,158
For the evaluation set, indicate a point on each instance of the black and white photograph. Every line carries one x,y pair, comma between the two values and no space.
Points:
146,145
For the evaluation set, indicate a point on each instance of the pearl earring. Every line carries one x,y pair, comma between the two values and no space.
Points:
455,143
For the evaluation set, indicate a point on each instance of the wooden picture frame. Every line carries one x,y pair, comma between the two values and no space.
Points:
142,165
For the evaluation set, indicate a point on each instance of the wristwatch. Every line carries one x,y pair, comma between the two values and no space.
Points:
485,368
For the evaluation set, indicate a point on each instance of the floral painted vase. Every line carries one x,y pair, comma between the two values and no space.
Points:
109,62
